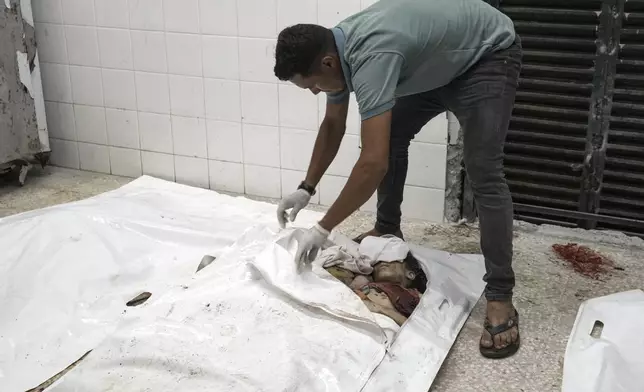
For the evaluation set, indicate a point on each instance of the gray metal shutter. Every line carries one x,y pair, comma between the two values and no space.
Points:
623,183
560,165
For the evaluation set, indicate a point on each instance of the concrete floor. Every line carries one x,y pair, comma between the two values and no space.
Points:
548,293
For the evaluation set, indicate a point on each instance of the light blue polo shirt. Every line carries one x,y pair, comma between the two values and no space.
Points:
403,47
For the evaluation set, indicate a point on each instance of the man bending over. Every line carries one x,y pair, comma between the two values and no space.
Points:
407,61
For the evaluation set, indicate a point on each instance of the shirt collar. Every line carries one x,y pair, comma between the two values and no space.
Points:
340,41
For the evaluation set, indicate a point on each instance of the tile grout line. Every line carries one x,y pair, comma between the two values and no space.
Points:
100,62
317,105
203,88
161,31
241,111
136,94
279,117
71,92
167,83
161,73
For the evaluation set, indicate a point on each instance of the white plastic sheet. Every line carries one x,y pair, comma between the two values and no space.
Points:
249,319
605,350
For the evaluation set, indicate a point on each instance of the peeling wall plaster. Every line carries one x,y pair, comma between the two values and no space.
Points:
23,124
27,13
455,170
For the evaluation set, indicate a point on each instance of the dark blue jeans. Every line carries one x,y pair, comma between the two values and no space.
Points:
482,99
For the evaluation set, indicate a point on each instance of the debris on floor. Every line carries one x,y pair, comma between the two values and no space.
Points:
584,260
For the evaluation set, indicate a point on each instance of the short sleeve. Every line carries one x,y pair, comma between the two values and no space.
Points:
375,82
339,97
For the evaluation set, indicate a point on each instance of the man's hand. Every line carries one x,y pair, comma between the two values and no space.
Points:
310,243
296,201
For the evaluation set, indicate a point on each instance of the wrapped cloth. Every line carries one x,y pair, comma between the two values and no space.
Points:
360,259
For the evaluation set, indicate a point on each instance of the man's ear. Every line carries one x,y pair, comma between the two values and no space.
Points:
411,275
329,61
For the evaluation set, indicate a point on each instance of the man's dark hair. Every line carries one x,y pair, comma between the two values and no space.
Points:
298,48
412,264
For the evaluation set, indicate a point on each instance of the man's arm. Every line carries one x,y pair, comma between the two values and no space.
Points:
367,172
328,141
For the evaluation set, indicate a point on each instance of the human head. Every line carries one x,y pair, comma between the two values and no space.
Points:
306,56
408,273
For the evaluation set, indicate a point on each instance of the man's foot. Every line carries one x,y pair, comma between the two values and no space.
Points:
375,233
501,337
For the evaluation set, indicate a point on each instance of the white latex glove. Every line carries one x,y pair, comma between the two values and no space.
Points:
310,243
296,201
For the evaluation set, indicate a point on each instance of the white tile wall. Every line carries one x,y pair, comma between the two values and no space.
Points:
94,157
424,203
152,92
296,147
112,13
256,59
149,52
82,45
51,43
64,153
184,90
189,137
48,11
298,108
435,131
191,171
158,165
262,181
292,12
186,96
223,101
87,88
225,141
119,89
259,103
184,54
146,14
56,83
79,12
257,18
331,12
60,120
122,128
181,15
261,145
427,165
91,126
125,162
220,57
156,132
221,17
227,176
115,48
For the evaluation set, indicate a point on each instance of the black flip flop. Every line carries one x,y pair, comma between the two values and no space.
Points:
505,352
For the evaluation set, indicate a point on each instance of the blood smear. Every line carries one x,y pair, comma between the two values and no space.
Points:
584,260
